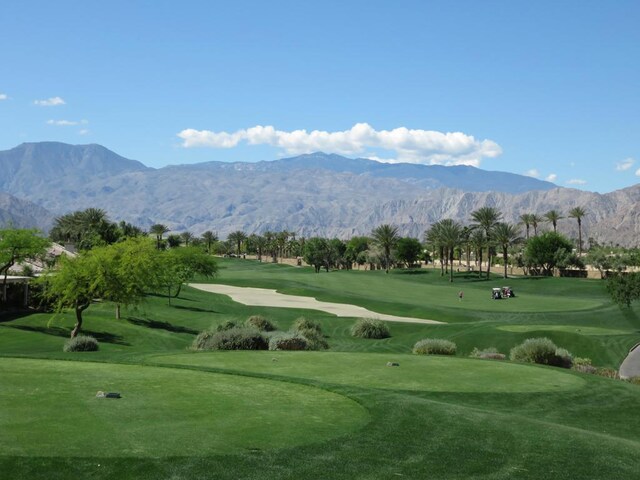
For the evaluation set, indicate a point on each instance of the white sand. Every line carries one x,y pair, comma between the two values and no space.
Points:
270,298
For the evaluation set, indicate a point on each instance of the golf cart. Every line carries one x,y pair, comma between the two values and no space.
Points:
507,292
496,293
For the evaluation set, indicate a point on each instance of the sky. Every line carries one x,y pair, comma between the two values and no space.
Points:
549,89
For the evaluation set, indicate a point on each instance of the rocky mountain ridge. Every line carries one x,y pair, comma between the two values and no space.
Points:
315,194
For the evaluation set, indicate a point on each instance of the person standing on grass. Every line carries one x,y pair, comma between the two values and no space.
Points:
460,294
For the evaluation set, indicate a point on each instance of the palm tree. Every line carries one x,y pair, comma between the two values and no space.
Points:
186,237
158,230
506,235
209,237
386,236
478,241
486,218
237,238
535,220
525,218
449,234
552,217
578,213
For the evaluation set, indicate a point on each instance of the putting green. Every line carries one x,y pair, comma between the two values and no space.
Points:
565,328
415,372
49,409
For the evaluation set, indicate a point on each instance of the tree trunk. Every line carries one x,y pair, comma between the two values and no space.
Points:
579,238
117,311
504,257
78,326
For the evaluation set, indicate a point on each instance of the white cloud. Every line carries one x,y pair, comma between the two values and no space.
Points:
413,146
66,123
49,102
532,173
638,173
576,181
626,164
3,96
84,131
552,177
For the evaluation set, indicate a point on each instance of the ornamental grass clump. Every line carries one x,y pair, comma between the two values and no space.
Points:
490,353
260,323
312,332
583,365
370,328
542,351
434,346
81,343
288,341
228,325
232,339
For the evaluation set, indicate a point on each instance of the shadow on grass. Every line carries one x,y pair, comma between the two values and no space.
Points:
102,337
143,322
412,271
195,309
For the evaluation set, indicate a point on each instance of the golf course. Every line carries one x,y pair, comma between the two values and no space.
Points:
361,409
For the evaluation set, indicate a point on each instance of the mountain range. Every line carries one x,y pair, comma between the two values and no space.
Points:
314,194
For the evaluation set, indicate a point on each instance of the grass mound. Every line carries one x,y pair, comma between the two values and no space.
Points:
81,343
542,351
435,346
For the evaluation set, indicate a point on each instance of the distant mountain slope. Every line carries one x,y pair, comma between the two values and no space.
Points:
23,214
426,176
32,170
314,194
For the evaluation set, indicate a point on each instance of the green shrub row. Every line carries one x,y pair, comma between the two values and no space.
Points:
232,339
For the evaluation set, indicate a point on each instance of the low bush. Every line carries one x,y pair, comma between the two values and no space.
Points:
303,325
228,325
232,339
435,346
370,328
288,341
583,365
81,343
488,353
542,351
260,323
315,340
607,372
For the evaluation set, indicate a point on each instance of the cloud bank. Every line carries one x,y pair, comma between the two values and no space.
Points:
3,96
66,123
626,164
412,146
49,102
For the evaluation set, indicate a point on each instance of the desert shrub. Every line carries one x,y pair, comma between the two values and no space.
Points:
607,372
634,380
81,343
315,340
232,339
542,351
303,325
434,346
370,328
260,323
288,341
488,353
583,365
228,325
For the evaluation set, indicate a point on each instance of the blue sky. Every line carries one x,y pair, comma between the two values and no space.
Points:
546,88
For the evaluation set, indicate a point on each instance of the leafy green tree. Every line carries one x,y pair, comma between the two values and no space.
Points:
578,213
624,288
174,240
386,237
552,217
486,218
356,246
85,229
316,253
547,251
18,245
181,265
408,250
506,235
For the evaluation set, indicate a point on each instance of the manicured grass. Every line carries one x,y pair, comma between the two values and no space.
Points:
340,414
162,413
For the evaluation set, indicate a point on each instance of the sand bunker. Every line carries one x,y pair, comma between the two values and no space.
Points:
270,298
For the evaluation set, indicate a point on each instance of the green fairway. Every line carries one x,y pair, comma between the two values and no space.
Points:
339,414
162,412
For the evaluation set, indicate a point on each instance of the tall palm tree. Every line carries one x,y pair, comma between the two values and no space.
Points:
158,230
478,241
433,237
506,235
186,237
450,236
386,237
525,218
578,213
552,217
486,218
237,238
535,220
209,237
